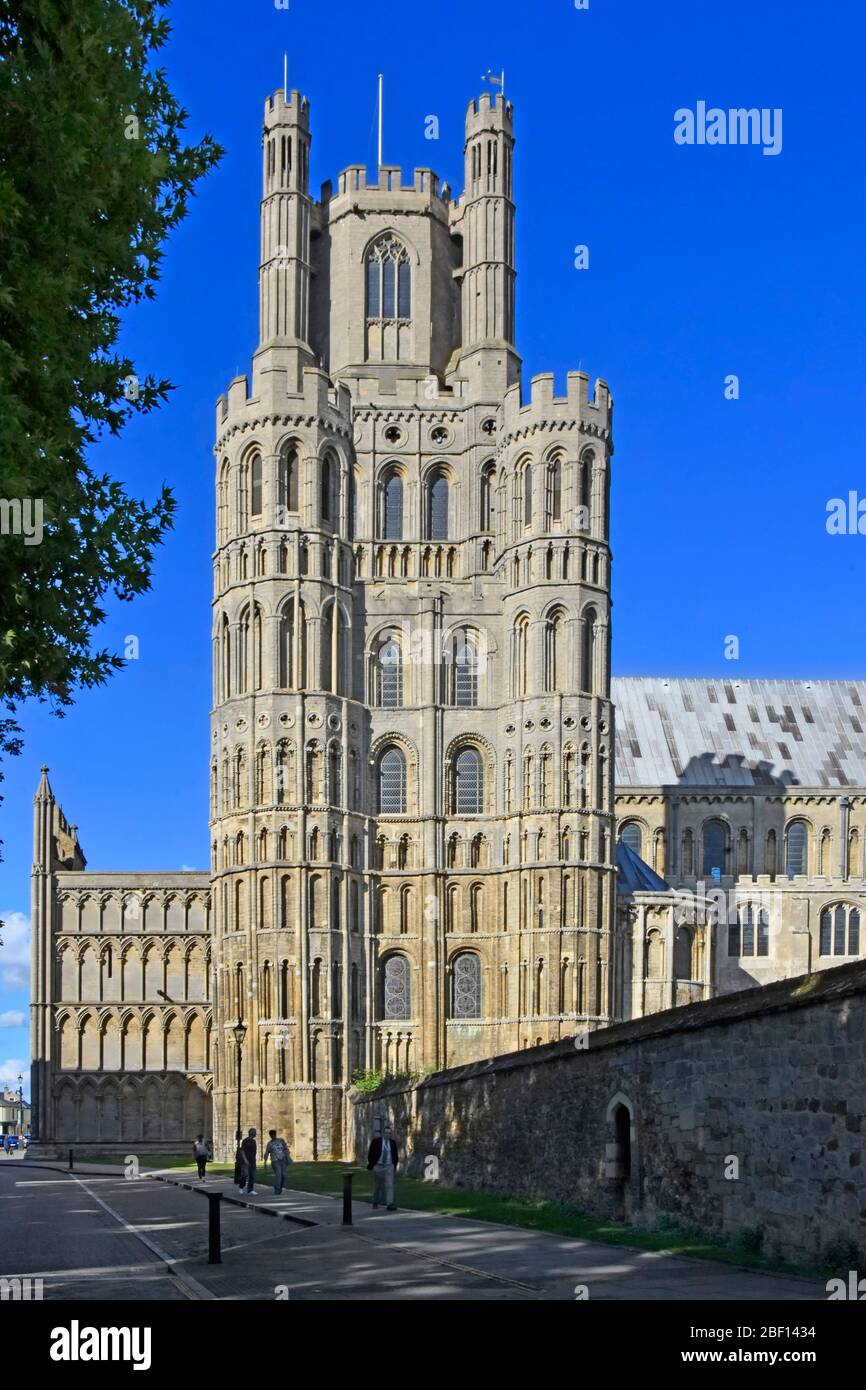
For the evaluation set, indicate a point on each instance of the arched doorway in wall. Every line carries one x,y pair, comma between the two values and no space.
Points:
620,1156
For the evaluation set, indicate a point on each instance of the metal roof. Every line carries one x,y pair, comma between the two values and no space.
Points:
739,733
635,876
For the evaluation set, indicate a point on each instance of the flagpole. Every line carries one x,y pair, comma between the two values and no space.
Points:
380,120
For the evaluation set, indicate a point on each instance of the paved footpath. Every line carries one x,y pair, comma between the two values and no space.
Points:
309,1255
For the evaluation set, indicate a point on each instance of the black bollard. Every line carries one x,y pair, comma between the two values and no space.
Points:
70,1160
347,1199
214,1252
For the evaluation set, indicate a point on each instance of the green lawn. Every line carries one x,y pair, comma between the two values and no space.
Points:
327,1179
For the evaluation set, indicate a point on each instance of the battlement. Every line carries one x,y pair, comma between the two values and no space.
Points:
318,397
490,111
353,180
279,111
577,403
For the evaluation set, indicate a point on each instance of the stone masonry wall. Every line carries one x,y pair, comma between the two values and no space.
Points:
650,1120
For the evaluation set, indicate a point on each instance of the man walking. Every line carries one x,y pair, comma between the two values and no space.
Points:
201,1154
382,1159
278,1152
249,1149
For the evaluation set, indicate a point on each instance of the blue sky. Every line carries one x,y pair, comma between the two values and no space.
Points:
704,261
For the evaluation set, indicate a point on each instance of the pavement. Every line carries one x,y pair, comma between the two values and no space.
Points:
94,1234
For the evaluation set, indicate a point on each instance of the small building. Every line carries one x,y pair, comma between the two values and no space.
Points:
14,1112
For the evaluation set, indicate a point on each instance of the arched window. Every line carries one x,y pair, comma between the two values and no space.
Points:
464,671
521,656
488,482
554,654
554,493
389,280
796,849
335,666
468,796
437,508
840,930
632,835
466,986
527,494
392,508
392,783
287,479
327,490
256,484
715,840
292,648
223,517
387,675
584,518
397,988
587,650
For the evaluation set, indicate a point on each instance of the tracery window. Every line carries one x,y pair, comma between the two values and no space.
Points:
389,280
466,986
397,988
840,930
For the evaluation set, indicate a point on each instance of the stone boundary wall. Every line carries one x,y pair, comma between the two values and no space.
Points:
739,1117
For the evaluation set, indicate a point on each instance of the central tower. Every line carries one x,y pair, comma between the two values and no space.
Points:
411,771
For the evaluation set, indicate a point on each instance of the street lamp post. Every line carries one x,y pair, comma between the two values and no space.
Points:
240,1032
21,1106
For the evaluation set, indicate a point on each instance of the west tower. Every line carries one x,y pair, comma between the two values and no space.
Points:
411,770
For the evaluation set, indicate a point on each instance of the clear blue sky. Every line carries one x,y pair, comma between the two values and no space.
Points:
704,261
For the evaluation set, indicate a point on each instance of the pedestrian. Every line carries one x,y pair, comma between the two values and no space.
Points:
382,1160
201,1153
278,1152
7,1146
249,1149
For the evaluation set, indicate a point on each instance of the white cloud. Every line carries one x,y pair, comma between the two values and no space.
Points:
15,949
11,1069
13,1018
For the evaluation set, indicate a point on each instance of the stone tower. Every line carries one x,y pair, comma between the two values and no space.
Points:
411,770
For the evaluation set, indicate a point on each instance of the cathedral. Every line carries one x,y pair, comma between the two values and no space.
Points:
427,846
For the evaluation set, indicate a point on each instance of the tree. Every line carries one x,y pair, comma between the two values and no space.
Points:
94,175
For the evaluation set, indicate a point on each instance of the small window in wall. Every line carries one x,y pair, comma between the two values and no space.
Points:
796,856
715,848
256,485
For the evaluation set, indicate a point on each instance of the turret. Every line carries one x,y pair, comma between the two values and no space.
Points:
284,272
487,225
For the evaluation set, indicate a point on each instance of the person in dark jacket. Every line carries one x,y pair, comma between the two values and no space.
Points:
382,1160
249,1149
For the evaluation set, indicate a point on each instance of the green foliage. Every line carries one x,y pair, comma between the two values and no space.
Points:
94,175
371,1081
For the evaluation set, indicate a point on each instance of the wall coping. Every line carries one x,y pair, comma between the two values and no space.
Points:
798,992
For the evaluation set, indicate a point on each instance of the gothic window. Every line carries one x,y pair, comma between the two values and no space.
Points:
632,835
437,508
464,670
466,986
527,494
468,796
256,484
287,480
335,666
397,988
387,675
392,783
715,842
796,849
392,507
840,930
488,481
242,509
545,778
335,777
389,280
527,778
568,771
226,654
